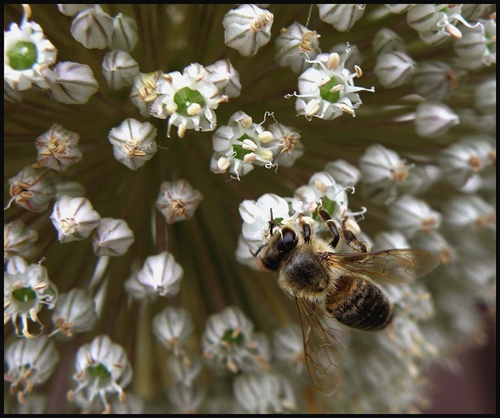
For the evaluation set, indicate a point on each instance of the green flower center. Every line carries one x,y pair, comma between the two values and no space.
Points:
24,294
233,338
23,55
239,150
326,92
185,97
99,371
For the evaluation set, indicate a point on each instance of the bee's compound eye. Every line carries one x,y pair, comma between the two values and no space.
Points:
289,238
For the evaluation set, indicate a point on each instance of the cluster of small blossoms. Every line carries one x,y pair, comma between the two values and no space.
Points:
269,209
28,56
242,144
230,344
189,99
437,194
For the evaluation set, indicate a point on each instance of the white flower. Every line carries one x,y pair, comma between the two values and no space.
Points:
322,189
461,160
437,244
27,55
295,45
138,291
469,213
75,312
102,369
411,216
184,372
161,273
32,188
26,289
394,69
172,327
18,240
112,237
387,40
133,142
188,100
144,91
73,9
326,90
74,218
124,35
92,27
476,48
119,69
247,28
436,23
58,148
29,363
436,80
240,144
224,76
264,393
341,16
229,343
379,164
288,147
343,172
72,83
256,215
177,200
434,119
289,346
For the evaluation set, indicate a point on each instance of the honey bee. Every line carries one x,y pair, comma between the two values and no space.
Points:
329,286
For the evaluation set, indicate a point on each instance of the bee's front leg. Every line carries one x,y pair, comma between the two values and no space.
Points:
332,226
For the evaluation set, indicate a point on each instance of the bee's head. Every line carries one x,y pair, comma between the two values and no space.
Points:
277,247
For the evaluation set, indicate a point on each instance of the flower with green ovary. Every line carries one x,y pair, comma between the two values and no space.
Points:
30,362
326,90
26,289
22,55
102,369
27,55
229,342
188,100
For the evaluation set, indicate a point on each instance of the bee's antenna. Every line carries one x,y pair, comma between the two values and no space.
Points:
272,224
256,253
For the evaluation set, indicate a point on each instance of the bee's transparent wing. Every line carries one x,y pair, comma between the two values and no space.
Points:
384,267
322,348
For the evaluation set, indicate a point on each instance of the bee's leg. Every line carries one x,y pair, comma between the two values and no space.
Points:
332,226
354,242
306,228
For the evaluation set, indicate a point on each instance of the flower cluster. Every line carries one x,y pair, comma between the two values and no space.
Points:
133,266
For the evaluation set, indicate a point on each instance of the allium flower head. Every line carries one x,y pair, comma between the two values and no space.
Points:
171,168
